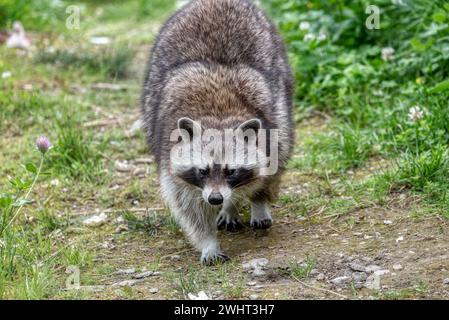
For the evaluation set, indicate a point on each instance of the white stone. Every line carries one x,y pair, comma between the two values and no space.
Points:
96,220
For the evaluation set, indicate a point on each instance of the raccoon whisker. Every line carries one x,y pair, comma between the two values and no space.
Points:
244,183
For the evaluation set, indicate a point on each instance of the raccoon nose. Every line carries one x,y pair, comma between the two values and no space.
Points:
215,198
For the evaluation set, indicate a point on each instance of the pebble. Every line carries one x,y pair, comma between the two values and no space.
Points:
321,277
357,267
259,272
175,257
139,172
143,275
126,283
372,268
123,166
446,281
359,276
256,267
199,296
254,297
121,228
96,220
341,281
154,290
126,271
251,283
397,267
255,263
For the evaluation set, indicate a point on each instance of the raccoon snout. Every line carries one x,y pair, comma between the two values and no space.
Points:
215,198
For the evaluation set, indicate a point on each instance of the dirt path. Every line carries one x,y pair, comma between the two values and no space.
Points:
377,252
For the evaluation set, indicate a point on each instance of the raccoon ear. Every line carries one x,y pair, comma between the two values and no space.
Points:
254,124
189,125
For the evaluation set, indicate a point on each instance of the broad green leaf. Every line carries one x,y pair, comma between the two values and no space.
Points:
31,167
439,17
440,87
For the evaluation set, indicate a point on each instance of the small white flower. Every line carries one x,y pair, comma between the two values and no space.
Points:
309,37
322,36
6,74
415,113
100,41
304,26
387,53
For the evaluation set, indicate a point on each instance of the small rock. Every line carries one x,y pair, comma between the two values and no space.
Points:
143,275
154,290
175,257
121,228
446,281
254,297
341,281
96,220
139,172
199,296
381,272
256,267
372,268
123,166
54,182
258,272
359,277
357,267
126,271
401,238
397,267
144,160
255,263
126,283
321,277
251,283
388,222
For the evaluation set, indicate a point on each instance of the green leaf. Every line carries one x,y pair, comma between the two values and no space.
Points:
31,168
440,87
417,44
439,17
5,202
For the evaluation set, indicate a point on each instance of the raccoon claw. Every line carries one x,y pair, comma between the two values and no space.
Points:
213,260
232,226
262,224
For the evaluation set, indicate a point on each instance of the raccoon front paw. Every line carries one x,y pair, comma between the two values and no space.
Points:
262,224
211,259
232,226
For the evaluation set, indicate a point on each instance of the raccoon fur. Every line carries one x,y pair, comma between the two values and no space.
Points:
217,64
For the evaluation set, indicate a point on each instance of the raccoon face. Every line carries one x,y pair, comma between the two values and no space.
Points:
216,178
218,182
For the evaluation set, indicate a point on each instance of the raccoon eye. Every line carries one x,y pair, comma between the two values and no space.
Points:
204,172
230,172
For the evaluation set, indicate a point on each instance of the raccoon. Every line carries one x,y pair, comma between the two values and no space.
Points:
217,65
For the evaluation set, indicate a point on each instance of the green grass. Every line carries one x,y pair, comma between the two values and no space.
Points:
367,97
113,62
357,146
